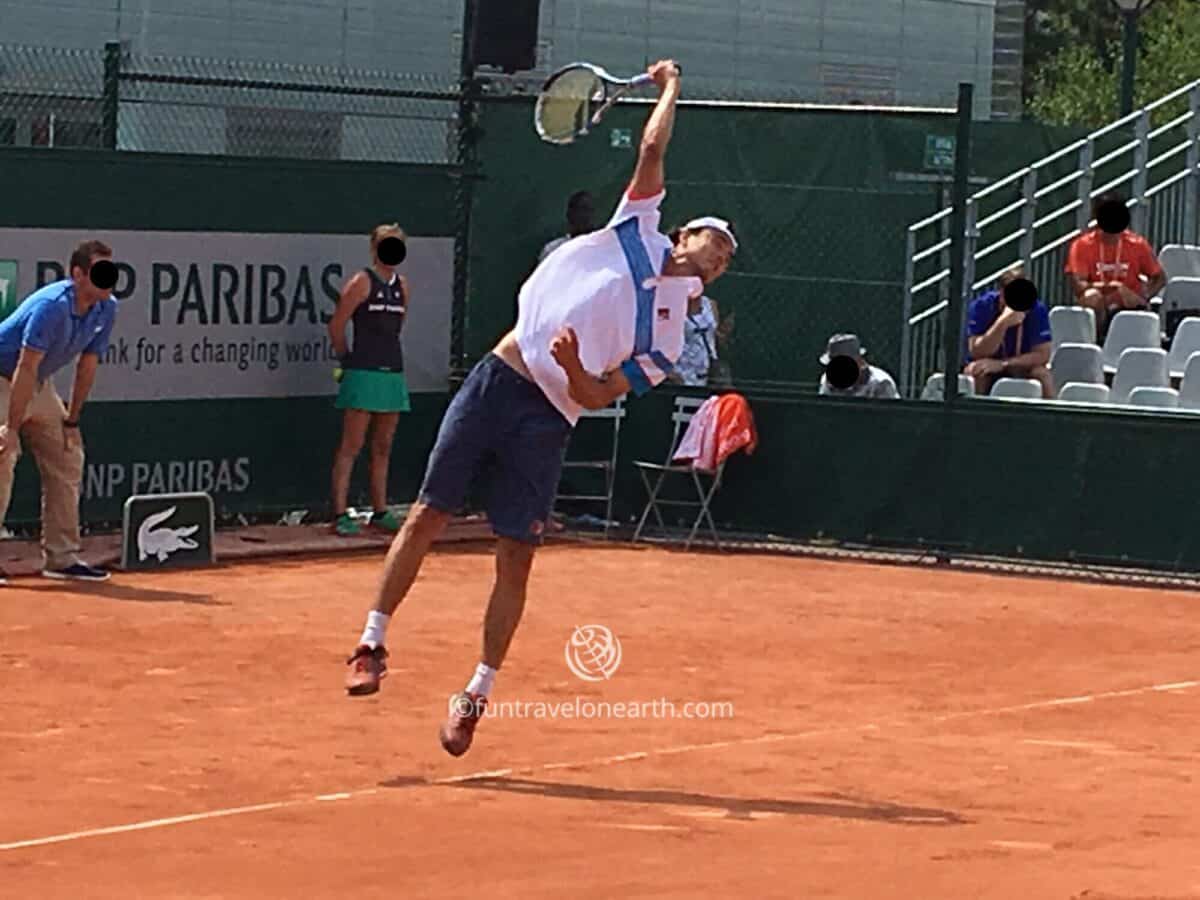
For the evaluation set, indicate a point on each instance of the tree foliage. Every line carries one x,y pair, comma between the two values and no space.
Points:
1073,62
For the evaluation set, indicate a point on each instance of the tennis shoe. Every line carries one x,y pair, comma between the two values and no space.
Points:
458,730
368,667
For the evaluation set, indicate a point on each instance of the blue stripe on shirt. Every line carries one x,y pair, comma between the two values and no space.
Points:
662,362
630,237
638,382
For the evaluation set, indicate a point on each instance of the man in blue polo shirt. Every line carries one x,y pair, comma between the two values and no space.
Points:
1002,342
54,325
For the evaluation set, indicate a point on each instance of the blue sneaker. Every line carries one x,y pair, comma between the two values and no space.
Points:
77,572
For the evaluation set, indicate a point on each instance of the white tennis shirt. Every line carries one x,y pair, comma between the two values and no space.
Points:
608,286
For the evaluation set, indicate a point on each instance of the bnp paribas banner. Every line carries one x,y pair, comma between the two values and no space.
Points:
225,314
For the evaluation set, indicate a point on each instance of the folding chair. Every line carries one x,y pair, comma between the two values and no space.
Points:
608,467
685,409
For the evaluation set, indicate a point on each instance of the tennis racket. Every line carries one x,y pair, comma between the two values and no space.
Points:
574,98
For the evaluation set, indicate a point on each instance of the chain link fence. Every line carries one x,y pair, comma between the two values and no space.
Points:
820,197
111,98
820,200
51,97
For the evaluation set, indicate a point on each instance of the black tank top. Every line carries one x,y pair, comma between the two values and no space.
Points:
377,324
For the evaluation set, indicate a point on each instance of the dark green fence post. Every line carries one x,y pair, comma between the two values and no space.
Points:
952,333
952,503
111,103
465,164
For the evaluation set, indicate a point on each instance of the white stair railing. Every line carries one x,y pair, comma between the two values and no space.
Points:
1152,156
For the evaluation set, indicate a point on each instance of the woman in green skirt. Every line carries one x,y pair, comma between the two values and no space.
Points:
373,390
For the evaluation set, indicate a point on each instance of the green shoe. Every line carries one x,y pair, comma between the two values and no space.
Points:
385,521
346,525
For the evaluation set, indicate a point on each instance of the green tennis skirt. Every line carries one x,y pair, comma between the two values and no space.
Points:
373,391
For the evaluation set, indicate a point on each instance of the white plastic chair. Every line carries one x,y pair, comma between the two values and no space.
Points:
1017,389
1130,328
1077,362
935,386
1072,325
1183,345
1080,392
1180,260
1139,367
1181,293
1189,388
1156,397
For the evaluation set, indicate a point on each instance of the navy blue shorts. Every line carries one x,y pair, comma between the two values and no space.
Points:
500,433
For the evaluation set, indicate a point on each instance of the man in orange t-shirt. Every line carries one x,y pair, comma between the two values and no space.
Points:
1107,265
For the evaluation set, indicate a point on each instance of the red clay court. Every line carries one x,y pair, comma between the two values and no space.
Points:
895,732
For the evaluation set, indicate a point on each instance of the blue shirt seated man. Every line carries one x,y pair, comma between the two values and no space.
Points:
1002,342
52,326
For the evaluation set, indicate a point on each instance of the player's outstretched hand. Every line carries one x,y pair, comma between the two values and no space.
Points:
565,348
664,72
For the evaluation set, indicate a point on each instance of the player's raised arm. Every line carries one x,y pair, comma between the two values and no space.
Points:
649,175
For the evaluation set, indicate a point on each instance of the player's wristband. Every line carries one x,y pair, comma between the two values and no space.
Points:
67,423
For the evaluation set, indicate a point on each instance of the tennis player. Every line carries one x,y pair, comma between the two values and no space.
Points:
601,316
374,390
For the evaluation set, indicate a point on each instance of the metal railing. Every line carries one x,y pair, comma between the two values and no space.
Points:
1152,156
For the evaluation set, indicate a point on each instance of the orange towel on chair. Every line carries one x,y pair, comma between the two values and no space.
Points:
721,426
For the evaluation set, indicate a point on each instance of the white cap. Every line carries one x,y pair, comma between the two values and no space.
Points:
720,225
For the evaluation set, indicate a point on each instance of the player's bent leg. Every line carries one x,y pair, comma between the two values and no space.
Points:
522,494
423,525
463,439
368,663
514,561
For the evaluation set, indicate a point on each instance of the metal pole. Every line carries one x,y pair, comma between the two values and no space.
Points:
1028,217
906,376
1141,181
1191,184
952,336
1087,181
111,97
463,197
1129,62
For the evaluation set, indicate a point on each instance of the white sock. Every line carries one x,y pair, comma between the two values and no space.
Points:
377,623
481,681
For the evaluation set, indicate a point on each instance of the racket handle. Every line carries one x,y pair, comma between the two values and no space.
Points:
646,78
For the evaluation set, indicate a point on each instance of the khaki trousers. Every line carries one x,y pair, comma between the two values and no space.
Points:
61,469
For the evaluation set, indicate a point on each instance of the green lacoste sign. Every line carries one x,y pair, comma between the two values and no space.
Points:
167,531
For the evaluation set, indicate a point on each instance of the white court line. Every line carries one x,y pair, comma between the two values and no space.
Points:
597,761
153,823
